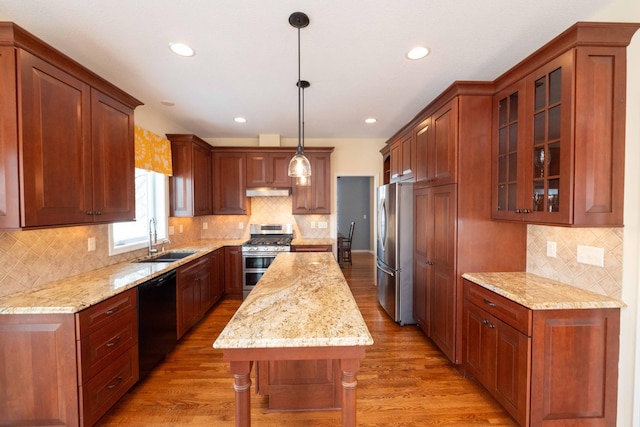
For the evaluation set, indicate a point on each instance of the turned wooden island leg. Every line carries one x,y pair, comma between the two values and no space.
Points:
349,368
242,385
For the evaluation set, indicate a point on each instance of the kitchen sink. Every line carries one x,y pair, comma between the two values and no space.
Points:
167,257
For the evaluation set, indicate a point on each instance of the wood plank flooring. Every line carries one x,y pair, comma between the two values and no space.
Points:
403,381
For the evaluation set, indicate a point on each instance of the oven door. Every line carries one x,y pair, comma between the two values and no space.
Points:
254,265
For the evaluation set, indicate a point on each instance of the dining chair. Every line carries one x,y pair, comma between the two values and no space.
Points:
346,245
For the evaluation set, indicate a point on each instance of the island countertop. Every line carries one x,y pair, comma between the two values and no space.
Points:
303,300
539,293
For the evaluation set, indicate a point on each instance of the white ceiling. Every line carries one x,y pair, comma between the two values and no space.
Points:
353,53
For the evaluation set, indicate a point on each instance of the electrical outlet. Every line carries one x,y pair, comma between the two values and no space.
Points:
313,224
591,255
205,225
322,224
241,225
180,228
171,230
91,244
551,249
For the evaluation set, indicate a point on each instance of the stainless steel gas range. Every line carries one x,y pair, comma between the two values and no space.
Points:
267,241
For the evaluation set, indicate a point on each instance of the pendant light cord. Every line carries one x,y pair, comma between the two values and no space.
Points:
299,100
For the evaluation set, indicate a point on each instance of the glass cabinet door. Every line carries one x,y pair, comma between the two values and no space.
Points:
549,142
507,197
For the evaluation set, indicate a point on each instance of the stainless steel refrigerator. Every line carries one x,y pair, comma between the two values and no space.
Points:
394,263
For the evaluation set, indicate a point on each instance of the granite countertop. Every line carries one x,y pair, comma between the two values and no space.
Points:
539,293
76,293
303,300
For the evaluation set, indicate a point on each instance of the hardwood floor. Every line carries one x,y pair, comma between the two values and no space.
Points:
403,380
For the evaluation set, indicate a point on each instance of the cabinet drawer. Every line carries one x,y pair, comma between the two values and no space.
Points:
194,268
504,309
104,390
95,317
100,348
311,248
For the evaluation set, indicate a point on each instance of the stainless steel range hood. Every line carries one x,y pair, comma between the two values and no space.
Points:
268,192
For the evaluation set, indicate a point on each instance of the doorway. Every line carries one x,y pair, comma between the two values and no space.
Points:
355,200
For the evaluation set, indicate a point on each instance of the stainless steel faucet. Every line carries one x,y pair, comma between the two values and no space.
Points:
165,241
153,236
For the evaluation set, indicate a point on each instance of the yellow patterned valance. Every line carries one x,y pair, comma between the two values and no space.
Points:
153,152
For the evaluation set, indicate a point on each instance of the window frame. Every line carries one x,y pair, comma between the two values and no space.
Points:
162,218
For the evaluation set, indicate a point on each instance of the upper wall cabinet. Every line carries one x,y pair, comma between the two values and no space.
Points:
269,168
66,139
191,183
558,136
315,198
230,185
402,158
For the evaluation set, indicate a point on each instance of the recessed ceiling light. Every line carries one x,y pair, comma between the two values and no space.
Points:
370,120
418,52
167,102
181,49
240,120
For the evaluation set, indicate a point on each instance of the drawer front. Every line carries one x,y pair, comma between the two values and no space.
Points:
103,346
104,390
504,309
93,318
194,268
311,248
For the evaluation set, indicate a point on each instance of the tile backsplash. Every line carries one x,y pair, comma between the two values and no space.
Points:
605,280
35,257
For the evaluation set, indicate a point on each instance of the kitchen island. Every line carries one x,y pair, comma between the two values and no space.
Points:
301,310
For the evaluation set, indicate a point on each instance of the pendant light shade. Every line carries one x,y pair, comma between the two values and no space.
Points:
299,166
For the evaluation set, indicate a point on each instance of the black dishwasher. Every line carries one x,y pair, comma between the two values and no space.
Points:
157,320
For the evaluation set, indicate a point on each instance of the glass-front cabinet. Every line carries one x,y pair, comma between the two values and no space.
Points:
533,146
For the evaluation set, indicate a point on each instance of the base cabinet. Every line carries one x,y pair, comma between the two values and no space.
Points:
233,271
193,293
545,367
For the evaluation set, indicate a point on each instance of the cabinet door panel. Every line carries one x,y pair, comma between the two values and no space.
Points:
230,184
56,145
442,292
113,159
315,198
202,180
444,146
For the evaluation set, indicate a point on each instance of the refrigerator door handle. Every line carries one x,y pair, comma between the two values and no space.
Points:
385,269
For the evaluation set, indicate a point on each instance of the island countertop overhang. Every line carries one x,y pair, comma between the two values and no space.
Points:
302,301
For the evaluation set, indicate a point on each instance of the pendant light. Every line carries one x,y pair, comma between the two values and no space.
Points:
303,181
299,165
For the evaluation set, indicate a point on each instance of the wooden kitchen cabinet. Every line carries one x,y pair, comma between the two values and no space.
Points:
269,169
217,275
67,148
450,220
545,367
108,354
315,198
403,158
436,146
233,271
68,369
558,149
190,186
229,182
193,293
434,264
497,355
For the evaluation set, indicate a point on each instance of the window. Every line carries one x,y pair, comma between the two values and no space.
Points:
151,202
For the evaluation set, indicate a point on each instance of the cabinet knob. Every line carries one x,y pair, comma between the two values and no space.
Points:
429,262
489,303
98,212
485,321
89,212
491,326
526,211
